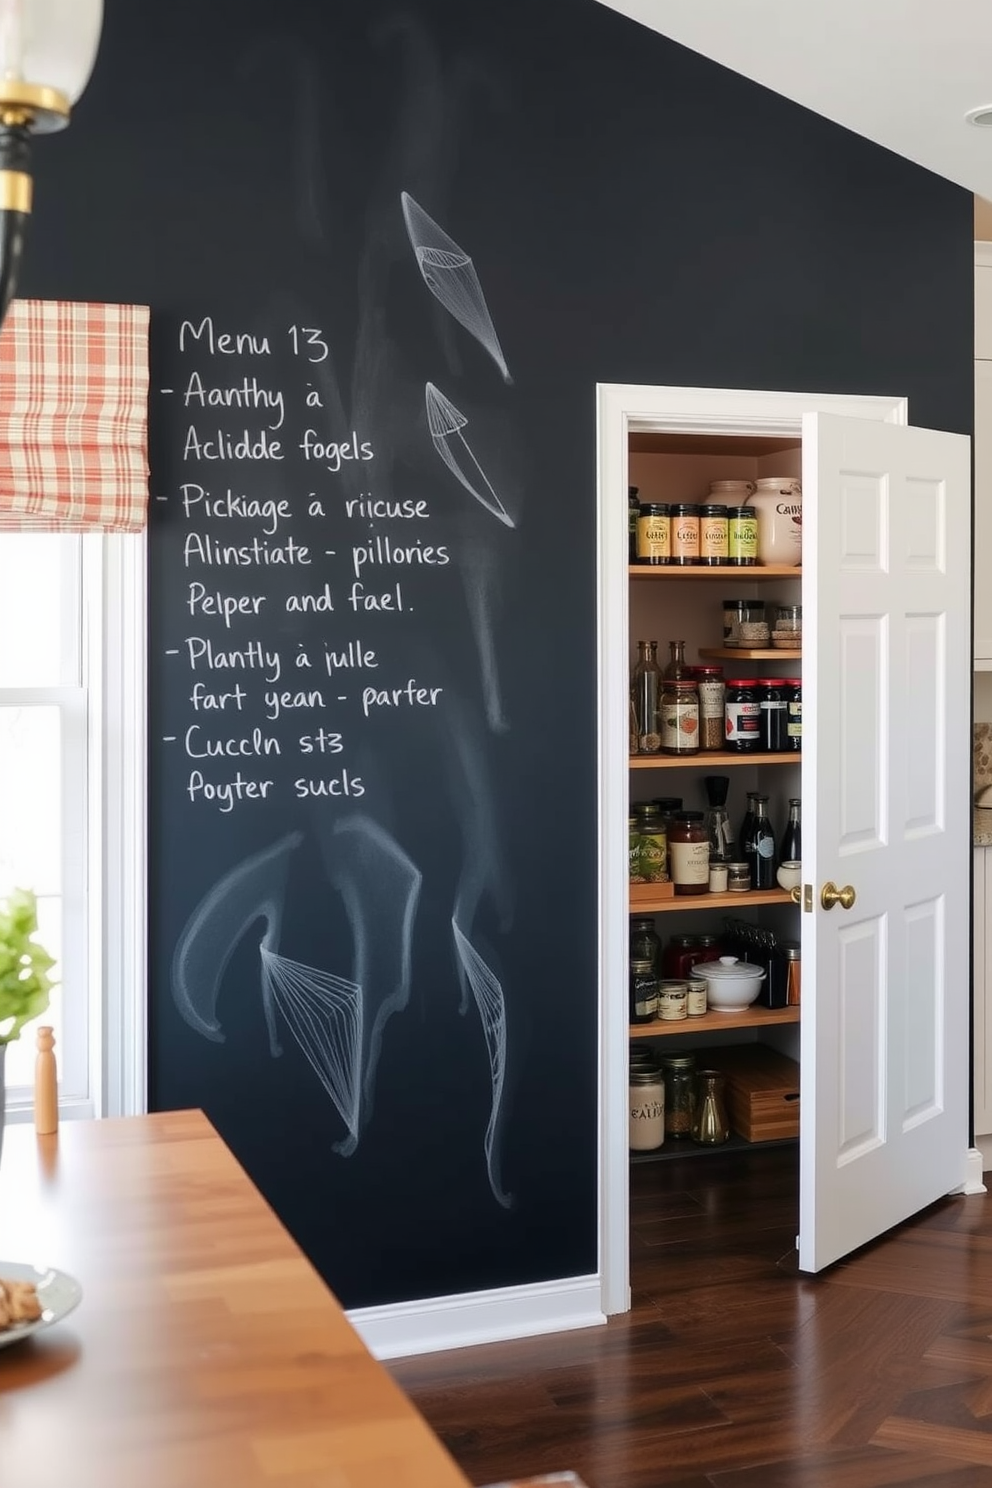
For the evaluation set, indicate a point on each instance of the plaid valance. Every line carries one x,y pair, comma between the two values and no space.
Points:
74,417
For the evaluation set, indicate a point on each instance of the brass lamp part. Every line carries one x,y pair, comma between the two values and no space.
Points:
41,108
15,191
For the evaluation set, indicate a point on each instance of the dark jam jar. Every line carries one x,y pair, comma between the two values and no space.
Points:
742,536
773,700
743,714
794,713
643,992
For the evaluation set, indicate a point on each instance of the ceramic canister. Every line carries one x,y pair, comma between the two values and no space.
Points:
778,502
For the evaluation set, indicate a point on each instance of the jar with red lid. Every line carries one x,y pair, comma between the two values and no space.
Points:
794,713
743,716
689,853
773,702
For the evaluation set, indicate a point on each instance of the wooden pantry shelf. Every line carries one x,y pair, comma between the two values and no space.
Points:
745,575
738,653
706,758
661,898
751,1017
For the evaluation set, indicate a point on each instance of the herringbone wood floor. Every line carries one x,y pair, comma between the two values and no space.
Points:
732,1370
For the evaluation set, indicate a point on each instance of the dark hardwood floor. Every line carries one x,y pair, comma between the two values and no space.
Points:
734,1371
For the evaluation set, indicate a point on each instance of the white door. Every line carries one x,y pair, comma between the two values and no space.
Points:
886,810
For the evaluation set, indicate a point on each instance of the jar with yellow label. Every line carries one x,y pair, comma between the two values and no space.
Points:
742,536
654,534
713,536
685,533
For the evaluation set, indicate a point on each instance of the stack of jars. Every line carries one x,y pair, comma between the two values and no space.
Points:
763,714
672,1099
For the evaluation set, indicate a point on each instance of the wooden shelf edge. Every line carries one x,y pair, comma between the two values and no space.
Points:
707,758
745,575
738,653
752,1017
668,902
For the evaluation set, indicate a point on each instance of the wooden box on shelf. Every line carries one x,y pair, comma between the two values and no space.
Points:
648,893
762,1091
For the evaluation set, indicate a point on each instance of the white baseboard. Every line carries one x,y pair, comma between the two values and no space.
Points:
479,1317
983,1145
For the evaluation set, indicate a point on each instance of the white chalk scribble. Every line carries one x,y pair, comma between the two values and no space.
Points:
488,995
450,275
446,423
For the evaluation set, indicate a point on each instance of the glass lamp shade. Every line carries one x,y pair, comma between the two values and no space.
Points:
49,44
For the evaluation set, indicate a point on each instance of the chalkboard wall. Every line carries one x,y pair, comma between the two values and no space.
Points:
389,252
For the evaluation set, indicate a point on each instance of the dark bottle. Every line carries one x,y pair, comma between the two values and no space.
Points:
645,691
773,700
761,858
633,512
792,837
746,839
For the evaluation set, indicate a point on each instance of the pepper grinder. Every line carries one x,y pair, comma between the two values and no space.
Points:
46,1085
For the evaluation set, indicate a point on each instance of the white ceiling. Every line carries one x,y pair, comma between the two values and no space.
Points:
901,72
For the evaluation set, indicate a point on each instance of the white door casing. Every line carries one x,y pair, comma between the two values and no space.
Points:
886,766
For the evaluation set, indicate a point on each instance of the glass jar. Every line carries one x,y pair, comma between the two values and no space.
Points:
733,614
695,997
653,843
773,701
788,629
794,713
710,1123
676,958
643,992
644,942
742,537
634,851
689,853
685,533
791,953
673,1001
679,1072
712,535
654,534
646,1104
743,716
738,878
712,700
778,502
678,716
645,687
754,631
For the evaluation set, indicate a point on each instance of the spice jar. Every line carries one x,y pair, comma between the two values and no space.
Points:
712,535
643,992
712,698
742,537
738,878
790,952
678,716
685,533
679,1071
646,1104
695,997
654,533
743,716
673,1001
754,631
773,702
689,853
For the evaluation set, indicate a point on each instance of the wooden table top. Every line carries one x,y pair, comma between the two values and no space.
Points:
206,1350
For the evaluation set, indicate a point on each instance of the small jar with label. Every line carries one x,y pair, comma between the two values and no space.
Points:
695,997
712,536
685,533
678,716
643,992
712,699
689,853
738,878
773,701
794,713
646,1104
742,537
743,716
654,534
673,1003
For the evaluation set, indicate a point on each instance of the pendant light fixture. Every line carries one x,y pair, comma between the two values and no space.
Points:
47,51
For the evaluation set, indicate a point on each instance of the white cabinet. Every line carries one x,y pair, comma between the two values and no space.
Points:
982,1022
983,457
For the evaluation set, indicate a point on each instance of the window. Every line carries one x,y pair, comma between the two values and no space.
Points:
72,751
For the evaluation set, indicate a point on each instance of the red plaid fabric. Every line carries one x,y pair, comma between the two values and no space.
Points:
74,417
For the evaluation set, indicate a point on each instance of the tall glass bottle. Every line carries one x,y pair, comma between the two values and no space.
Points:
676,669
745,841
792,837
762,855
645,693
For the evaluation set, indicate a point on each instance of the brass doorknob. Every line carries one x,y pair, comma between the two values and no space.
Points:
796,894
830,895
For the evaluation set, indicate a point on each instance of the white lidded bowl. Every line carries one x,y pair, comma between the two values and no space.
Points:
730,984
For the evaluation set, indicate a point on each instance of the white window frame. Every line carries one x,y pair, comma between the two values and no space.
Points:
110,928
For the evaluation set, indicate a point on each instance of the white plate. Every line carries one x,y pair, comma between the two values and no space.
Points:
57,1293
